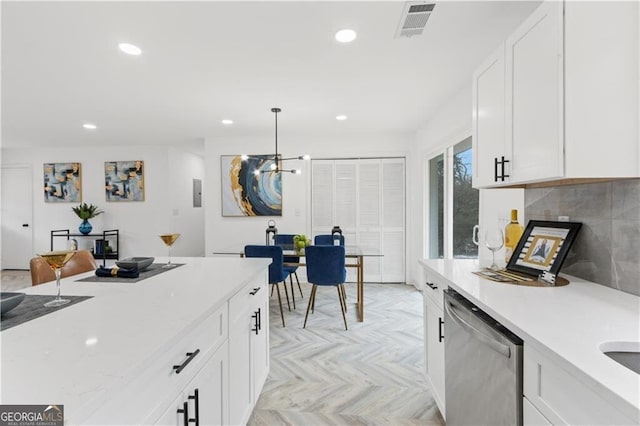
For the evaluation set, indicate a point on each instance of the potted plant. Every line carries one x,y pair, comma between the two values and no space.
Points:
85,212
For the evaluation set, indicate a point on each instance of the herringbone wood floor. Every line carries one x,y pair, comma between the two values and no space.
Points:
372,374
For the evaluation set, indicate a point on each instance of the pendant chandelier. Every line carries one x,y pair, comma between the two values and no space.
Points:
275,162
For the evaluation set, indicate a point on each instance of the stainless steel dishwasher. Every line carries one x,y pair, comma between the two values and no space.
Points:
483,366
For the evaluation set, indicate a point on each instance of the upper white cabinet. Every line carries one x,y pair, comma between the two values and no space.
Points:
488,137
559,100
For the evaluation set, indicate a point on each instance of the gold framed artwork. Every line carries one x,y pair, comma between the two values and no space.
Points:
62,182
124,180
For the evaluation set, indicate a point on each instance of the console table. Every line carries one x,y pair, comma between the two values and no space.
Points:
112,235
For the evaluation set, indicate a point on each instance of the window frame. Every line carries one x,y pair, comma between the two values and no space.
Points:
448,153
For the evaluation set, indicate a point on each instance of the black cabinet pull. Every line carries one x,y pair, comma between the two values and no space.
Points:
255,290
503,175
196,399
185,413
190,357
495,169
255,316
259,319
432,285
440,324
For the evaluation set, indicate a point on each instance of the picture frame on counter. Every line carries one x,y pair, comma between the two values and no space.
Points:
543,247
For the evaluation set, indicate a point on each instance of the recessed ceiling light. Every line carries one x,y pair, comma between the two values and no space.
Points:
89,126
226,121
130,49
341,117
346,36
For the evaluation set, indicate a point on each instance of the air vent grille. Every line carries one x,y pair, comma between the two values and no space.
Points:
414,18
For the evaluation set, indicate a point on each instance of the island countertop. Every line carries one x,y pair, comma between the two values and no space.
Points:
77,355
568,322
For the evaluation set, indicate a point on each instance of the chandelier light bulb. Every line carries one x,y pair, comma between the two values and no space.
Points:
273,166
256,172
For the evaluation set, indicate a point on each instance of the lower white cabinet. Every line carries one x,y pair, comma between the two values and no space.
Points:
204,400
531,416
248,349
562,398
434,341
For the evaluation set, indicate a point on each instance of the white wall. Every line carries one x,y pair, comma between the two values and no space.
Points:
233,232
139,223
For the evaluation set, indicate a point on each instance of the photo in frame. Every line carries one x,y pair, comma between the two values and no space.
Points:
124,180
543,247
245,193
62,182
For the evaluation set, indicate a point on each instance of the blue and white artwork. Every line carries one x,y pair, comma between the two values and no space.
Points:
124,180
62,182
245,193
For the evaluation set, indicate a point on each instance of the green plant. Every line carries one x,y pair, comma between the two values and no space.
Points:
86,211
300,241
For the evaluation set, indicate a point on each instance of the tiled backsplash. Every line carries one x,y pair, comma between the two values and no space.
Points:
607,249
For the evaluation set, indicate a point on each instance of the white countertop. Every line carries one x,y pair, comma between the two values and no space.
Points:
568,322
76,355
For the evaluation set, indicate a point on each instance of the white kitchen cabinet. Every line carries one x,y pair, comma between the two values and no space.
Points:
204,400
248,349
562,398
488,137
434,337
534,96
571,98
531,416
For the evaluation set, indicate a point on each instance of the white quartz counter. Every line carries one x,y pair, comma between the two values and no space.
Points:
569,323
78,355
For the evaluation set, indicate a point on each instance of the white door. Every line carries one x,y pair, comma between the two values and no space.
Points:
17,216
366,198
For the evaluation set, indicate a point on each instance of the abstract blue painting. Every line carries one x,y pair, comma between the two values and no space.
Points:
245,193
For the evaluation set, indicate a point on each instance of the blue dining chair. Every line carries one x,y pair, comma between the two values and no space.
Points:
326,266
277,273
326,240
286,241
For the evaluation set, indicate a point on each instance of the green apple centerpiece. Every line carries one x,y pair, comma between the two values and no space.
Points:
300,242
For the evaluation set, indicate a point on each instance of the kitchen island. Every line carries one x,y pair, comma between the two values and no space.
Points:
111,359
567,377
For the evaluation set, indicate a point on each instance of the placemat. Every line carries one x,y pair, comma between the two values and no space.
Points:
153,269
32,307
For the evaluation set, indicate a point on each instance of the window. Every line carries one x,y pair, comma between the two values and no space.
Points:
453,204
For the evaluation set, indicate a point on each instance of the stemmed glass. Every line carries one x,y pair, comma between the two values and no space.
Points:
494,240
168,240
56,260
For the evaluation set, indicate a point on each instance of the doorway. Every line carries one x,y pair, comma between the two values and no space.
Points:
17,217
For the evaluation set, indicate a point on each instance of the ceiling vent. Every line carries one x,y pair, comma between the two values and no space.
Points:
414,18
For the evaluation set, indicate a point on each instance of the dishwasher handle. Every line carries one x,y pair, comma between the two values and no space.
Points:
489,341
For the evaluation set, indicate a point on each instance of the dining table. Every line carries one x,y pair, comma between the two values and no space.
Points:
354,254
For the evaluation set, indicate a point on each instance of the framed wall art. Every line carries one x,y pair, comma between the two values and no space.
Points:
245,193
124,180
62,182
543,247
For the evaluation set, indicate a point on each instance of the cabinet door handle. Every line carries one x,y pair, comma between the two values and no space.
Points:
495,169
440,324
190,357
196,399
259,319
185,413
503,175
255,290
432,285
256,317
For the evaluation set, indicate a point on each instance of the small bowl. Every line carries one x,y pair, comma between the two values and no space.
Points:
139,263
8,301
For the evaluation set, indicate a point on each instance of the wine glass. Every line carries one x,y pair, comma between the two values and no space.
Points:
56,260
168,240
494,240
